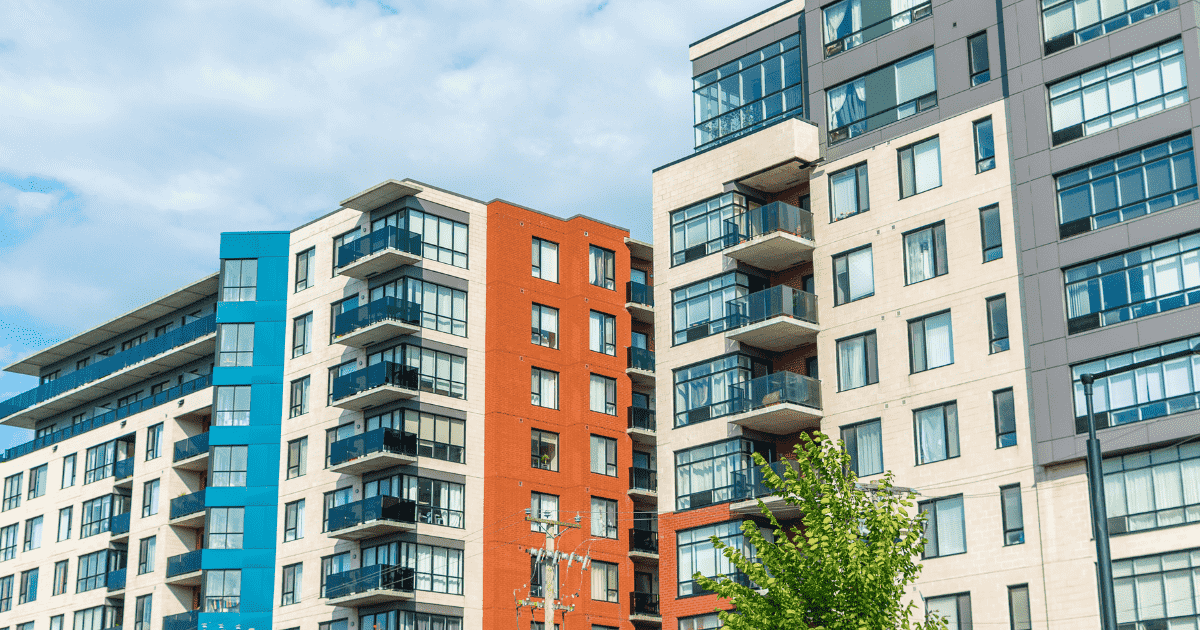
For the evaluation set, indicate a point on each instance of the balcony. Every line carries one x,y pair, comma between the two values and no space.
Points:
773,237
115,582
780,404
188,510
123,471
372,517
641,366
368,586
192,453
643,484
778,319
639,301
184,569
643,545
375,385
751,488
642,427
107,376
119,526
382,250
183,621
377,321
644,607
371,451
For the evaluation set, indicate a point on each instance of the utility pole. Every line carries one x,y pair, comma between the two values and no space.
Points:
548,558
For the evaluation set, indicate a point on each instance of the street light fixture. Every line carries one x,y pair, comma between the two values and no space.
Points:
1108,607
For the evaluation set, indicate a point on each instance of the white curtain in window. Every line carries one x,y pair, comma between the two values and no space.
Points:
1150,597
833,20
1086,12
1121,391
1139,491
1114,495
946,607
915,76
938,341
1126,603
862,274
1066,111
931,436
950,527
847,103
454,500
897,7
844,192
918,255
1177,378
1178,587
597,394
1168,486
870,449
852,363
928,165
706,558
599,582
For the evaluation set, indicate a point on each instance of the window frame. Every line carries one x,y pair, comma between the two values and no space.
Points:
845,255
536,437
1013,624
299,448
870,342
305,259
602,261
940,259
984,163
1002,440
241,292
293,520
606,447
540,336
949,429
604,325
931,506
609,386
1013,532
923,322
991,251
862,191
912,153
853,444
302,334
608,524
147,550
537,377
234,474
962,605
996,342
978,76
299,388
537,265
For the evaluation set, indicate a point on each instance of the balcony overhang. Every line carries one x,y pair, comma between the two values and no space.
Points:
186,579
780,508
779,419
641,617
195,462
380,195
194,520
198,348
372,529
640,376
640,312
642,436
643,495
648,557
640,250
375,333
773,252
371,598
374,397
383,260
372,462
777,334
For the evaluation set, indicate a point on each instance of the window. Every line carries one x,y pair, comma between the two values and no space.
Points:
601,270
439,437
229,466
955,609
12,491
997,314
299,397
438,569
64,523
945,533
236,345
915,90
604,581
56,622
714,473
222,590
698,310
705,390
1068,22
989,231
604,456
545,260
930,342
1018,608
38,480
604,518
1141,282
937,433
985,146
150,498
60,578
844,28
154,442
128,344
233,406
441,308
1151,392
437,372
341,241
142,612
6,593
146,549
977,57
292,579
858,363
28,592
853,275
545,326
696,553
293,521
91,571
68,475
544,450
603,394
602,333
337,498
1153,489
97,514
544,388
443,240
438,502
339,308
341,432
1010,511
701,622
126,401
848,192
1151,589
33,533
864,442
97,618
1122,91
920,167
304,267
297,458
699,230
8,542
302,335
225,527
544,506
1006,418
749,93
239,280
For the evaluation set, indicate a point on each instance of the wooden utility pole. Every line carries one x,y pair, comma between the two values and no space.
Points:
548,558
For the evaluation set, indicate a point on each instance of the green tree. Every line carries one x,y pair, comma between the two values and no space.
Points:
847,564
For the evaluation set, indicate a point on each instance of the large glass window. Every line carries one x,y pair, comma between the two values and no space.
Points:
543,450
222,590
604,455
858,363
91,571
545,260
299,397
442,308
714,473
239,280
443,240
696,553
225,527
997,315
1120,92
954,609
150,491
705,390
604,582
604,517
853,275
233,406
602,267
1071,22
97,464
852,22
990,235
545,326
920,167
543,388
33,533
543,506
864,442
925,253
709,621
1126,187
236,347
293,521
8,541
908,86
146,551
937,433
747,93
438,502
1152,589
39,476
1153,489
1142,282
98,512
602,394
945,528
931,342
292,580
12,491
699,230
439,437
698,310
229,465
848,193
297,458
438,372
602,333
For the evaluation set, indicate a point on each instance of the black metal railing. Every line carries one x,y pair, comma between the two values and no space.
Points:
378,375
184,563
773,389
105,367
643,604
379,577
119,524
382,440
191,447
643,540
641,359
877,29
389,237
383,309
116,580
778,301
638,293
187,504
123,468
183,621
378,508
885,117
773,217
642,418
1092,31
643,479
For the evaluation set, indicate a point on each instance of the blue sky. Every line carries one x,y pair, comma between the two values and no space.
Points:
132,134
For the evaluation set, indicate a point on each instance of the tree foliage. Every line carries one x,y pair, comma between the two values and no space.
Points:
847,564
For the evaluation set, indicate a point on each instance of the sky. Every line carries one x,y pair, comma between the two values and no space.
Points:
133,133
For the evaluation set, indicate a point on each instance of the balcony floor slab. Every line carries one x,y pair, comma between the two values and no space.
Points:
777,334
370,598
195,462
186,579
645,496
193,520
642,436
781,509
375,333
374,397
377,263
640,376
372,462
647,557
372,529
779,419
640,312
773,252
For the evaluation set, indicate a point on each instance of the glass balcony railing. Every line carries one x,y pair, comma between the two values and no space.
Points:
773,389
100,369
390,237
384,309
183,621
639,293
123,468
187,504
184,563
378,375
643,540
382,440
116,580
378,508
641,359
643,604
641,418
373,578
773,217
191,447
120,524
643,479
778,301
